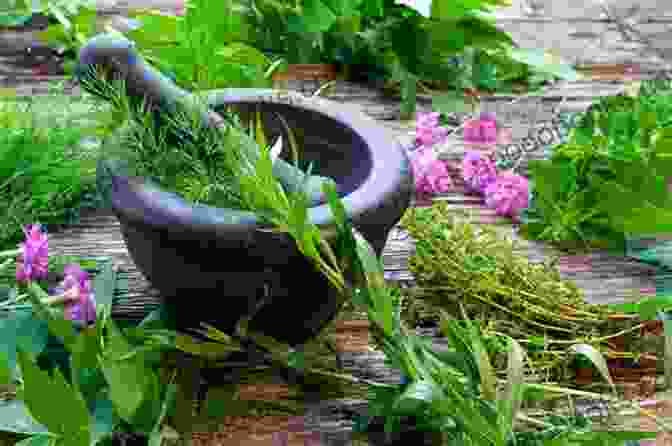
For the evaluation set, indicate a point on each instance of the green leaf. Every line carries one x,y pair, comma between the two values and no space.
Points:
128,383
5,370
70,418
36,440
296,359
104,285
168,402
418,394
58,326
128,379
374,8
630,211
116,345
15,417
210,350
661,156
649,307
31,333
105,419
509,403
84,356
452,102
540,61
317,17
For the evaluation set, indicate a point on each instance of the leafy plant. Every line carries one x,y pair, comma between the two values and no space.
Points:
205,49
607,182
44,174
75,25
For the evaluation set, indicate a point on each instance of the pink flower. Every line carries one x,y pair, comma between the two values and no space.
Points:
484,131
81,303
427,129
431,175
508,195
478,171
33,262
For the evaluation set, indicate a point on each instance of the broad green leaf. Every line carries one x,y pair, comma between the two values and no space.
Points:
373,8
104,419
544,62
104,285
649,307
128,378
128,383
630,212
416,395
84,356
661,158
452,102
317,17
156,30
31,333
116,344
149,411
15,417
70,418
596,358
84,22
344,8
58,326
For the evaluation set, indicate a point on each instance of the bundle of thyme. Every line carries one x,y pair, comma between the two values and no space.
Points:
457,262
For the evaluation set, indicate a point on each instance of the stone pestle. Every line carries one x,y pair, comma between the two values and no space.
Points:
120,58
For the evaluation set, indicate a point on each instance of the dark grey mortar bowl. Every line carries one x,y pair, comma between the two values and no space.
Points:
213,265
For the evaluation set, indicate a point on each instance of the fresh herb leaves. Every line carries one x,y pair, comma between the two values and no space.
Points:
607,182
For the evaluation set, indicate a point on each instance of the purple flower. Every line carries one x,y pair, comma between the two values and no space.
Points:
33,262
478,171
427,130
81,303
508,195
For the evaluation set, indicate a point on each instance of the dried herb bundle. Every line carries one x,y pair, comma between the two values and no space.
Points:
460,262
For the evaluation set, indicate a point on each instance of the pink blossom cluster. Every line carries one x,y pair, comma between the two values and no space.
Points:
428,131
485,131
75,291
505,192
430,173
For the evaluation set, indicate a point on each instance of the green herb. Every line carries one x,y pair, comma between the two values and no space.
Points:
45,175
607,183
457,263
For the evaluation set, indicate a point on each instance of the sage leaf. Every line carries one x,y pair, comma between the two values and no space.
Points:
104,285
128,382
70,418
